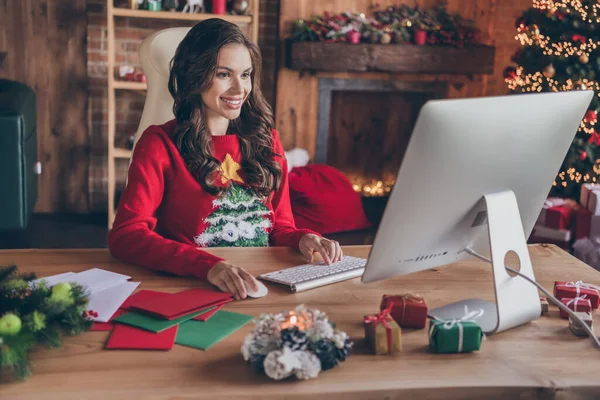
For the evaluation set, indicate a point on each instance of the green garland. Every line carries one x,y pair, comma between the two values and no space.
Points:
32,314
393,24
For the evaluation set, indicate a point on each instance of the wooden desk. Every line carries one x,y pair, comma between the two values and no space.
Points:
539,360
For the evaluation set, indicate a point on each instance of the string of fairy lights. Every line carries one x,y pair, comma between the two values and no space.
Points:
588,13
582,48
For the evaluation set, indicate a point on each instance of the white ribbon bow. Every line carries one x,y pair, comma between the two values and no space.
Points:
579,284
449,324
576,300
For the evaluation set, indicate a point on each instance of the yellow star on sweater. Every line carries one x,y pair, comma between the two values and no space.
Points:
229,170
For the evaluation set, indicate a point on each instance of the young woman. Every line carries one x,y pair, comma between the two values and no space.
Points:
216,175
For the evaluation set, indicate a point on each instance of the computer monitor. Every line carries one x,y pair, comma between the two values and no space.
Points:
474,179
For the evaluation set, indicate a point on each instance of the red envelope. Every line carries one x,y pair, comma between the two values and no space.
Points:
141,296
106,326
179,304
129,337
204,317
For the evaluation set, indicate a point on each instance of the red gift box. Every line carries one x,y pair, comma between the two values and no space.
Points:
579,304
583,223
408,310
569,290
560,217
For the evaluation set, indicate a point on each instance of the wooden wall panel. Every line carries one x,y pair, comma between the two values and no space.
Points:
45,42
297,92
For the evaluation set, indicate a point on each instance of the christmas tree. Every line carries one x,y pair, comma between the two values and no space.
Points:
560,53
240,219
32,314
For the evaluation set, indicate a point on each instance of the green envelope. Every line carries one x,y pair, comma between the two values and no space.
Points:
153,324
202,335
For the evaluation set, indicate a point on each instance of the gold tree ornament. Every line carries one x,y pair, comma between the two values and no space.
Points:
534,31
596,167
549,71
584,59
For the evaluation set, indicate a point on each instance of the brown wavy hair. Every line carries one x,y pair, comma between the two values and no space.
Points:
192,70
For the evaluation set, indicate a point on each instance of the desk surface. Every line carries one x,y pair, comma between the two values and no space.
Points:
539,360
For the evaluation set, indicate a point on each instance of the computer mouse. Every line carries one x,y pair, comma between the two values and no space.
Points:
262,290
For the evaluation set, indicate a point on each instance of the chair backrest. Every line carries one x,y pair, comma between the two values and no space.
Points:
156,53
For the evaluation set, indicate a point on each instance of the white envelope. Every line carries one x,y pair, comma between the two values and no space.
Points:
53,279
96,279
106,302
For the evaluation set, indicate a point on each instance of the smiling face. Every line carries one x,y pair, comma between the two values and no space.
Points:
231,84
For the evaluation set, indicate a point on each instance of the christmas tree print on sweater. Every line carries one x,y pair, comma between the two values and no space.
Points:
239,218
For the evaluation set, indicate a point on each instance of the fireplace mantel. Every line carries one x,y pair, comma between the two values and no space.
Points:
391,58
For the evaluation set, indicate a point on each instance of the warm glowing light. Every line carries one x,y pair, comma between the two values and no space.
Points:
373,188
300,321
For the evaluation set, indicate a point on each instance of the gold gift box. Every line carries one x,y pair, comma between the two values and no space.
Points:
376,334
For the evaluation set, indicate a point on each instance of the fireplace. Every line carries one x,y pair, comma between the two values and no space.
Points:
364,127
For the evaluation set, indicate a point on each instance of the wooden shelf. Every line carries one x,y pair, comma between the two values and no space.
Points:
114,85
122,153
394,58
127,85
126,12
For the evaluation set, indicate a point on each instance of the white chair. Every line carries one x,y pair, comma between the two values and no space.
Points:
156,53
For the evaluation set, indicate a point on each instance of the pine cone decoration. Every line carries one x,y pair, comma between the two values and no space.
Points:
268,325
275,368
294,339
257,361
342,353
310,365
325,350
320,330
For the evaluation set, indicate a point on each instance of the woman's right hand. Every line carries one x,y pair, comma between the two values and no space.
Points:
230,279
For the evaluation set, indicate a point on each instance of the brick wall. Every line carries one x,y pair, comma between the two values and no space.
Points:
129,33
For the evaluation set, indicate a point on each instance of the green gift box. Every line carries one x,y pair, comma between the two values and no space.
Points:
454,336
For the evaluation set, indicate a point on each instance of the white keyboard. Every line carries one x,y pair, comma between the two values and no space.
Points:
309,276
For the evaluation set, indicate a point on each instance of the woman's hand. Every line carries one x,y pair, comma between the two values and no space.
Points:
230,279
330,250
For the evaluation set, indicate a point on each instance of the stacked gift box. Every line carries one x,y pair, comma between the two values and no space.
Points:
587,226
557,223
570,225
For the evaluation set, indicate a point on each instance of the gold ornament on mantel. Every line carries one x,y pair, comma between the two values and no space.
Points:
584,59
549,71
386,38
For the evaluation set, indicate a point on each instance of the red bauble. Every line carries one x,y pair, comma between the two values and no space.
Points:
594,138
510,73
579,38
591,117
583,155
560,15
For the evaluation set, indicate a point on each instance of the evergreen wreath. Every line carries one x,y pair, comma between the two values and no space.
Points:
33,314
